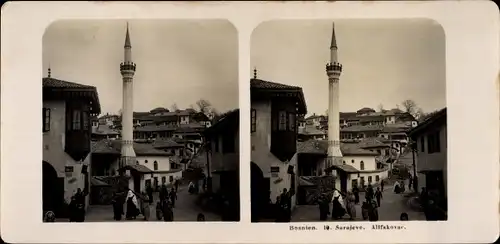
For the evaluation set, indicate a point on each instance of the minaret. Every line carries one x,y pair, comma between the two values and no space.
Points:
127,69
333,70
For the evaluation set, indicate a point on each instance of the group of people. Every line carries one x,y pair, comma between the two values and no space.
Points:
346,204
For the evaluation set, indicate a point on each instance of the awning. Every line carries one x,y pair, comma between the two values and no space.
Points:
343,167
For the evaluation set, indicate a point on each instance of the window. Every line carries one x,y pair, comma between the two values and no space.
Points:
291,121
369,179
145,161
155,165
362,165
85,118
46,119
352,161
76,122
343,162
173,166
362,181
163,180
282,120
379,152
228,143
216,144
253,125
433,143
170,178
377,178
422,144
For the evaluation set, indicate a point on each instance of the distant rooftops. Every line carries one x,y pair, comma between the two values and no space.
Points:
114,147
321,147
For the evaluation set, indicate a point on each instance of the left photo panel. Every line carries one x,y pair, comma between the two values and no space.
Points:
140,121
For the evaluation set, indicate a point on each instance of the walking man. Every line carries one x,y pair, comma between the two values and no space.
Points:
378,196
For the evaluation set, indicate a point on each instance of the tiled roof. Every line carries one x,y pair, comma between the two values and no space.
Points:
310,130
372,142
138,167
346,168
439,116
361,128
394,129
114,147
366,109
347,115
321,147
104,130
262,84
152,128
166,143
56,83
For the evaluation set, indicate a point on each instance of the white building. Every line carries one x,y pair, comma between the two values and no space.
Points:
359,166
153,166
274,110
430,138
67,109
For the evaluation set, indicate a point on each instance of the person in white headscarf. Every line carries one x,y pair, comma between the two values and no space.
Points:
338,208
397,187
132,205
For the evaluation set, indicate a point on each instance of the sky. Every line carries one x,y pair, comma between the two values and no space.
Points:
178,61
384,61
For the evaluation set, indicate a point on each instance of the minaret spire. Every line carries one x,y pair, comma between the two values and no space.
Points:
127,39
334,40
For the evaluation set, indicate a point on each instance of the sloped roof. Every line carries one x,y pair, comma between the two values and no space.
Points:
53,86
56,83
166,143
114,147
321,147
310,130
372,142
138,167
151,128
438,118
104,130
361,128
258,86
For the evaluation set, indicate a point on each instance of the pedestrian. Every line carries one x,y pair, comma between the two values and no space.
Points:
176,185
163,192
159,211
372,210
191,187
350,205
173,197
403,217
410,181
149,191
200,217
365,210
378,196
146,208
355,191
324,207
338,210
73,210
132,205
370,192
396,187
168,213
286,205
402,186
382,185
117,208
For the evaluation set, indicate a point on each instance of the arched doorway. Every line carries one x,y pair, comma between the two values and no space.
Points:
52,189
260,192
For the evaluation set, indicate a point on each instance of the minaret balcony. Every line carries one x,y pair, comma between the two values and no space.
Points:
127,66
334,67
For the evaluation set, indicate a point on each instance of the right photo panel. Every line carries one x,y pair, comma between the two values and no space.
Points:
348,121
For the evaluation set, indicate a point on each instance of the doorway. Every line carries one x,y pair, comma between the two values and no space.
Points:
260,190
343,181
52,190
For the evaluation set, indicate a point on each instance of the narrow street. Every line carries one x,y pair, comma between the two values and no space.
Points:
391,207
185,210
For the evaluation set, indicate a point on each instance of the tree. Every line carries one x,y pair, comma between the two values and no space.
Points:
204,106
174,107
381,107
410,106
419,113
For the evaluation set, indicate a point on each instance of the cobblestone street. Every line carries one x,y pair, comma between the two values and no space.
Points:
185,210
391,206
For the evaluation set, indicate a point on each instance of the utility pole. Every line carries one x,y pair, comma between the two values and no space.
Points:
415,180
